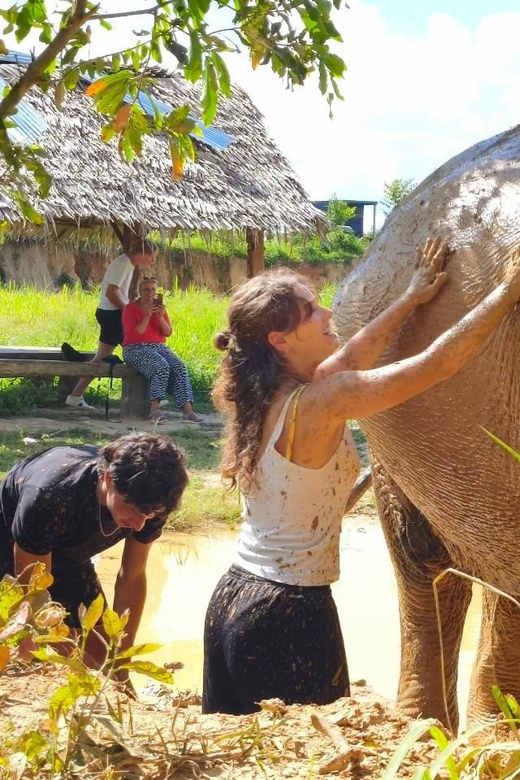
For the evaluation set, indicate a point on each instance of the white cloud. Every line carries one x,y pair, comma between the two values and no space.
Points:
410,102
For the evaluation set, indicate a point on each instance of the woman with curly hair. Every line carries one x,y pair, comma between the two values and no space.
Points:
287,390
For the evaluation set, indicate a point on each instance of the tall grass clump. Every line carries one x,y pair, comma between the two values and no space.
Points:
37,318
196,316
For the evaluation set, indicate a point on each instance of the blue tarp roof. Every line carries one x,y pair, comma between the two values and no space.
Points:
29,124
211,136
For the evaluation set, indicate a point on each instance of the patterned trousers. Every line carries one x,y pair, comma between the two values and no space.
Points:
166,372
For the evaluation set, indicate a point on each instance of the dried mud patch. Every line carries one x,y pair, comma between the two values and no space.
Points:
353,737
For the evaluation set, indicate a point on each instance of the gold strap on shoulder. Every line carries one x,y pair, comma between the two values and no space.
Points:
292,424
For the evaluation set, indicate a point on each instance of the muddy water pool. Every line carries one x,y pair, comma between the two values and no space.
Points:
183,570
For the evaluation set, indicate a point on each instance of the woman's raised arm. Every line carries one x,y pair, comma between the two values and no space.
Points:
352,394
364,349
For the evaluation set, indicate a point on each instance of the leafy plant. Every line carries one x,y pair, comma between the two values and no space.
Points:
293,37
395,192
28,618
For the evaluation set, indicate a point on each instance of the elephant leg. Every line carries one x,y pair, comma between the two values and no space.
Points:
418,557
498,657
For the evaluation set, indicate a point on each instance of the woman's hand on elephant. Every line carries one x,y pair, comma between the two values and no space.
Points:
428,277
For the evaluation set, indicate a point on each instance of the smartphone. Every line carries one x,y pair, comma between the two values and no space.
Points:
158,300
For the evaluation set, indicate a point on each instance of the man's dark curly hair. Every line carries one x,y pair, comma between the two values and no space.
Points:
148,470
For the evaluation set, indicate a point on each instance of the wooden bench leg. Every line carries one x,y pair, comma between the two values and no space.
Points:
135,397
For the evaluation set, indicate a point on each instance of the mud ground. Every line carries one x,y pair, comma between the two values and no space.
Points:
170,737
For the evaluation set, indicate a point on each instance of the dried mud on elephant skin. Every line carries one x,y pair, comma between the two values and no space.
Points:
352,737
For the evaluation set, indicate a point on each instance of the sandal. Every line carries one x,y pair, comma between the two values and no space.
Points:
192,417
158,417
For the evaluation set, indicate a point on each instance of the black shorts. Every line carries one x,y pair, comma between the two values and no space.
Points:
263,640
74,583
111,324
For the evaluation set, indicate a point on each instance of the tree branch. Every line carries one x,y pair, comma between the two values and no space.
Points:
38,66
141,12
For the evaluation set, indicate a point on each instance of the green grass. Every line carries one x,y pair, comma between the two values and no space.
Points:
204,502
32,317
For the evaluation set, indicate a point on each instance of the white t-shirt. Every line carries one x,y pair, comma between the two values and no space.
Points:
119,272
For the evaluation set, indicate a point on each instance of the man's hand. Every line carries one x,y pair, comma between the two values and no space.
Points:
428,276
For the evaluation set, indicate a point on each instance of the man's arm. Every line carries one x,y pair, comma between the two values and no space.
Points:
24,563
130,589
115,297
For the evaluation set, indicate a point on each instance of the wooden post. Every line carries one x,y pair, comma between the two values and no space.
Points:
135,398
255,251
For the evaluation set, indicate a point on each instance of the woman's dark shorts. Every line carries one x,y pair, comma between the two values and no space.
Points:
264,640
111,326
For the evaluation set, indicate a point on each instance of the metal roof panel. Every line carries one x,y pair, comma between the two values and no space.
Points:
30,125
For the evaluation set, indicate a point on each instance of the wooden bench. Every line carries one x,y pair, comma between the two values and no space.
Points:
41,362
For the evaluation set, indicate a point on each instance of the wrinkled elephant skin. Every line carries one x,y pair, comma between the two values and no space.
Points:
447,495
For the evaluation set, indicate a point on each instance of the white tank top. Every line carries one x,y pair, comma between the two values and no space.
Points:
292,514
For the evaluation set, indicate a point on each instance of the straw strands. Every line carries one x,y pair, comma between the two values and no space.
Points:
249,184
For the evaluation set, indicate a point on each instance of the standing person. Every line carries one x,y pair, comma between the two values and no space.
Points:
146,325
67,504
114,297
287,390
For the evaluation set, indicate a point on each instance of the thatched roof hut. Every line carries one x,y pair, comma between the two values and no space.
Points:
247,185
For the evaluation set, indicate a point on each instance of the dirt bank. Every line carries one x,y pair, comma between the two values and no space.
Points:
353,737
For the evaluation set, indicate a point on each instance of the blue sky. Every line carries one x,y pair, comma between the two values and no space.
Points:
426,79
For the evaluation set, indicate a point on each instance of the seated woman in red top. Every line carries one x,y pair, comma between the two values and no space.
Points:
146,325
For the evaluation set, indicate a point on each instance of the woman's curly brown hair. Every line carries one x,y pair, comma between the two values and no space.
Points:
252,371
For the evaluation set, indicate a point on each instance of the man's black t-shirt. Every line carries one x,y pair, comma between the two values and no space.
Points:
48,504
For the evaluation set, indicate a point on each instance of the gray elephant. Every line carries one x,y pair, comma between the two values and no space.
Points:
447,495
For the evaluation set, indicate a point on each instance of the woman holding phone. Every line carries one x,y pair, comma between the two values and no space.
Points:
146,326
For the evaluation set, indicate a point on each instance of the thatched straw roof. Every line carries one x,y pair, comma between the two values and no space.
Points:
249,184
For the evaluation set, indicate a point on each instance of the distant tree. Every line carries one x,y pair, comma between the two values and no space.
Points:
339,212
394,192
292,37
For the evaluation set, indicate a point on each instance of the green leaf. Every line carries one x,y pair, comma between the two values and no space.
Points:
46,35
33,743
514,454
112,623
59,93
323,78
223,74
46,654
505,707
209,98
93,614
335,65
193,69
71,78
443,743
105,24
149,647
179,51
418,730
150,670
23,24
62,700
